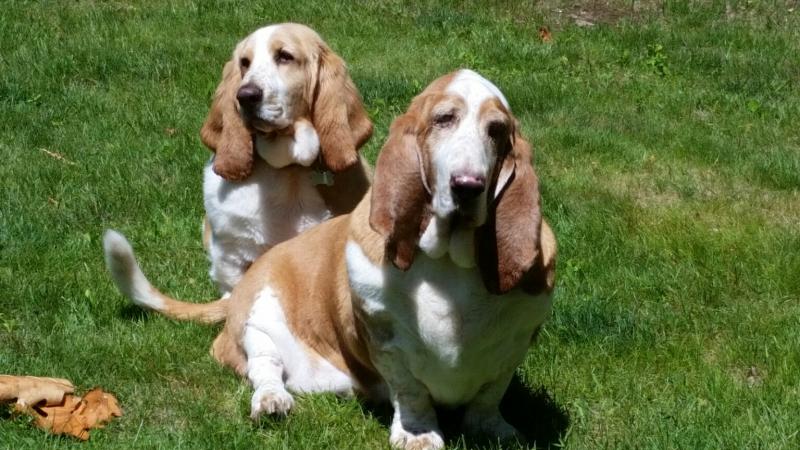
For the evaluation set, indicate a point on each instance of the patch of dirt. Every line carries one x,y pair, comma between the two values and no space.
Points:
721,199
557,13
752,376
594,12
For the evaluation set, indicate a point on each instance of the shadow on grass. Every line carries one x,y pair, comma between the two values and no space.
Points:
6,411
534,413
134,313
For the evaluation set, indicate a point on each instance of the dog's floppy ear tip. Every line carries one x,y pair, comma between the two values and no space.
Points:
234,163
209,138
401,264
230,174
402,255
343,164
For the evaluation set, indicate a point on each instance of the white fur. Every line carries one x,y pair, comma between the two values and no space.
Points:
472,84
436,335
125,271
467,149
277,361
434,240
437,320
276,107
249,217
439,239
301,148
462,250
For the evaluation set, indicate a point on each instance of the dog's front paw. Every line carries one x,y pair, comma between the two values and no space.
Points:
404,440
270,400
494,427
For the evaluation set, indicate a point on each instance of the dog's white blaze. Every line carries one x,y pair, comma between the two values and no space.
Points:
269,342
250,216
264,73
454,336
475,88
467,150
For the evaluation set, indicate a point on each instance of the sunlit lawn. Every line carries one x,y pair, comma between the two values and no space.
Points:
668,150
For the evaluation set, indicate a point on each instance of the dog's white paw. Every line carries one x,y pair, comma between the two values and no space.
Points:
270,400
404,440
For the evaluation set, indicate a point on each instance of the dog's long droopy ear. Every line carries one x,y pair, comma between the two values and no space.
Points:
224,131
337,113
508,244
399,198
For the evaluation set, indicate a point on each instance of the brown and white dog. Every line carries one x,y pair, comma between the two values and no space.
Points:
286,95
429,292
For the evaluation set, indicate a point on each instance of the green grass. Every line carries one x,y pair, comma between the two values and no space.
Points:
667,147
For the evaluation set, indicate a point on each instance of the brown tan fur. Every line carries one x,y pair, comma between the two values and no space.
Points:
310,278
309,274
323,93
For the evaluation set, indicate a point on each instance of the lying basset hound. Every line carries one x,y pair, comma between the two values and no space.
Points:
428,293
286,94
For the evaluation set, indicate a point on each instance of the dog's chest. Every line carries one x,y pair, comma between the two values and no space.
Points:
271,206
451,334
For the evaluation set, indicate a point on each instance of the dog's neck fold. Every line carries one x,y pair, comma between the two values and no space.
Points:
298,145
442,236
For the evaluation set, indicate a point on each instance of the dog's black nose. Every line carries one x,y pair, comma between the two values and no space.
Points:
467,187
249,95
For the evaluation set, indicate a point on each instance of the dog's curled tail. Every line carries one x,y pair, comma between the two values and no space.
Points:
130,280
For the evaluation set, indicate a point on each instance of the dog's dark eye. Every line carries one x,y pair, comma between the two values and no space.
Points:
497,130
283,57
444,120
245,62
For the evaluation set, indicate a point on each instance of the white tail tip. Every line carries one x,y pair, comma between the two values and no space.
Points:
125,272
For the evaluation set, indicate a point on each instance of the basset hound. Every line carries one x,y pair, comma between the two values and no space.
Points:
428,293
288,96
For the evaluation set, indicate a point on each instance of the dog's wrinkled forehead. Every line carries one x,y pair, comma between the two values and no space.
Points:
261,45
257,42
475,89
262,35
266,40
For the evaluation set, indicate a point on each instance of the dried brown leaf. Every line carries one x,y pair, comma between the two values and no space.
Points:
544,34
66,418
50,402
101,407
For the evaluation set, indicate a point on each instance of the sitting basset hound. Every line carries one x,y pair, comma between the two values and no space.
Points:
428,293
286,95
